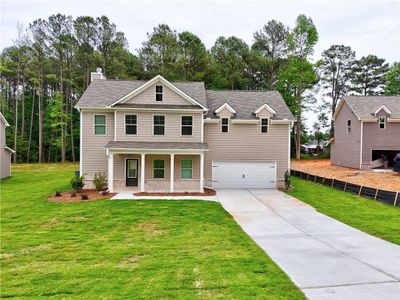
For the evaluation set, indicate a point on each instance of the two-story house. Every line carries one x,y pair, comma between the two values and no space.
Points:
365,128
158,135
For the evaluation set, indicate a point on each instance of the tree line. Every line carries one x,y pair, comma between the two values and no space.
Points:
46,70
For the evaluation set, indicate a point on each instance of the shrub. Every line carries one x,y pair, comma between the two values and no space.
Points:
84,197
100,181
77,183
73,195
58,194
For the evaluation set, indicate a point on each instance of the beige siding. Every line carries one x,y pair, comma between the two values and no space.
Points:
246,142
94,158
148,96
375,138
172,127
345,151
5,156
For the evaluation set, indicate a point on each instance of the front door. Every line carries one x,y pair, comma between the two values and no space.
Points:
131,172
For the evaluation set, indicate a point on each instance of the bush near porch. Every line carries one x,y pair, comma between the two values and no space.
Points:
123,249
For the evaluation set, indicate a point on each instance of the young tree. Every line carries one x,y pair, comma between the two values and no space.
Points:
294,80
393,80
369,75
336,70
230,56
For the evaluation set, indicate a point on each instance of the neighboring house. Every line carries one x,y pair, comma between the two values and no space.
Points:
5,152
313,147
143,133
365,128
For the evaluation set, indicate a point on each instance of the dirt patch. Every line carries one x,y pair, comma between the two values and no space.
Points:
389,181
131,262
76,197
207,192
51,223
151,229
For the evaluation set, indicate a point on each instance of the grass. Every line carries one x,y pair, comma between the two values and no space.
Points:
125,249
367,215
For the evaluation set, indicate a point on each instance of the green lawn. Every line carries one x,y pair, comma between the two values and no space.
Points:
370,216
125,249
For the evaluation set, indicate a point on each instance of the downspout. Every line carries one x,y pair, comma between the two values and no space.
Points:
361,143
80,143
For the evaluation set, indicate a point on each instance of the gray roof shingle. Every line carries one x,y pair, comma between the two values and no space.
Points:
156,145
245,103
101,93
365,106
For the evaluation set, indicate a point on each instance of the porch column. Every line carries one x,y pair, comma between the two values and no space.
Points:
201,172
172,173
110,175
142,169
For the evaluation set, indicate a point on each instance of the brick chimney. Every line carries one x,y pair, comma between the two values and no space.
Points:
98,75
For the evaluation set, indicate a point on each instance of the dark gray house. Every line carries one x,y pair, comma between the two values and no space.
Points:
365,128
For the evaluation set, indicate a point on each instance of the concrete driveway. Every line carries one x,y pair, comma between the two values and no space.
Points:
325,258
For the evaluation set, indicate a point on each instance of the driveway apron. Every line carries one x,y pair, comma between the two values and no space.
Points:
325,258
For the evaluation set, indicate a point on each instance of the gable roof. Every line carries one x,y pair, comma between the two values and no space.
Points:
103,93
2,119
247,102
364,107
154,80
225,106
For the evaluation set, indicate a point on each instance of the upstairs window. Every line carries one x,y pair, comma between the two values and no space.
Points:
159,93
130,124
159,125
224,125
264,125
100,125
186,169
158,168
348,126
187,125
382,122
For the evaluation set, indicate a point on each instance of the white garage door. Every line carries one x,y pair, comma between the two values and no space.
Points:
244,174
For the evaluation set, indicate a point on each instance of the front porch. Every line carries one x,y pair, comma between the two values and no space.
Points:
155,170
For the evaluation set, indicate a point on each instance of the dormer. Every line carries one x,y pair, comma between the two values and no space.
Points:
265,111
382,111
225,111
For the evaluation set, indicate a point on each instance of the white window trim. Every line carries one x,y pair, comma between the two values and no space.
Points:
186,168
348,127
165,168
137,124
165,125
384,123
224,125
182,135
94,124
162,93
261,125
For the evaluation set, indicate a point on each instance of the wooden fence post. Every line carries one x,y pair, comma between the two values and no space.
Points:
345,185
376,194
395,199
359,192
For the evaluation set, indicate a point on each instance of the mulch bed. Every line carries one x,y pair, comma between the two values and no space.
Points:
207,192
92,195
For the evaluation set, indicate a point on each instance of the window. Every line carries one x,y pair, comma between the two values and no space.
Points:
382,122
99,124
158,168
348,126
159,125
187,125
224,125
264,125
186,169
130,124
159,92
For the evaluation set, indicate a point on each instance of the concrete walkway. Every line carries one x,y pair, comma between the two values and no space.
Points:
128,195
325,258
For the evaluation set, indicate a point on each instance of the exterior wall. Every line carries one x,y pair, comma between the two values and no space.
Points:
345,150
246,142
5,156
93,156
375,138
145,127
148,96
